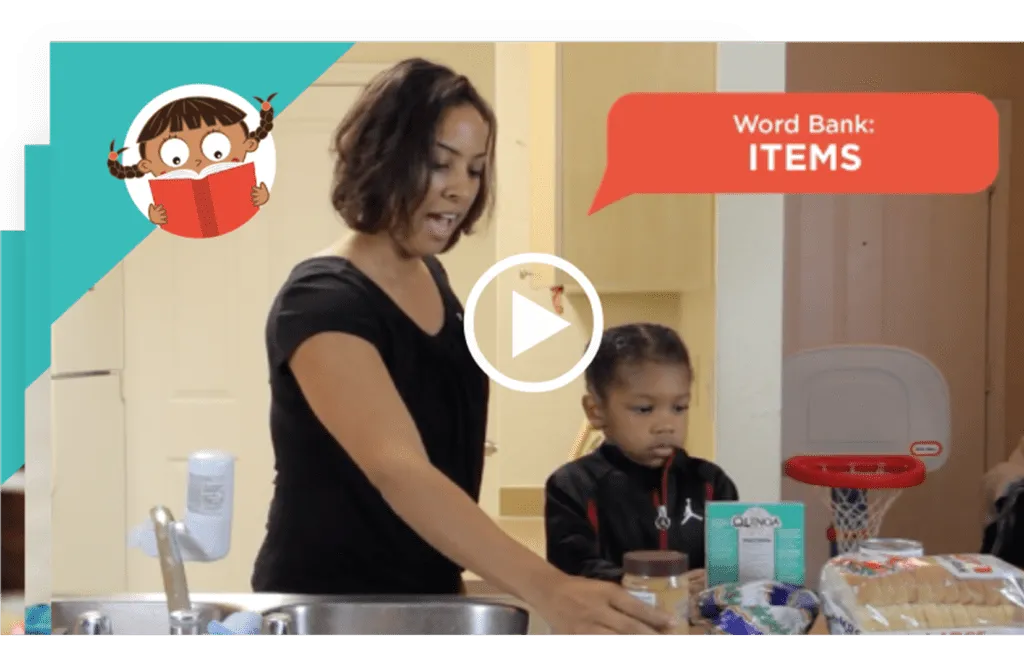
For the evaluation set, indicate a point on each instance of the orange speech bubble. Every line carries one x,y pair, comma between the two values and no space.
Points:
879,143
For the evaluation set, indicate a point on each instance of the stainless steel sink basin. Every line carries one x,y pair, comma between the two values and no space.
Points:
148,614
405,616
130,615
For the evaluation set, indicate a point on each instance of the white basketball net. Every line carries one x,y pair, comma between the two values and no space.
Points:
857,514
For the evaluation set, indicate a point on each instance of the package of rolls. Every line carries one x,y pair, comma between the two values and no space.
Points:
938,594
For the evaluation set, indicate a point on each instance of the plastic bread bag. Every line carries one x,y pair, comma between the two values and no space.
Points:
758,607
941,594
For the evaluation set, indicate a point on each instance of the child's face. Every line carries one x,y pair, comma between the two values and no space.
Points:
196,149
645,411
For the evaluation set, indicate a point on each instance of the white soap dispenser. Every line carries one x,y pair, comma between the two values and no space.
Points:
210,501
204,535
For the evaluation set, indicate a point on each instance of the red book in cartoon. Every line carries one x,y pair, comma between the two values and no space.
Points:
210,203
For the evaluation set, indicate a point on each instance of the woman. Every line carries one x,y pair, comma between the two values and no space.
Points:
378,412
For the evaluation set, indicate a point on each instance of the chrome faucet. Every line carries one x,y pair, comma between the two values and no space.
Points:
277,624
184,623
172,566
91,623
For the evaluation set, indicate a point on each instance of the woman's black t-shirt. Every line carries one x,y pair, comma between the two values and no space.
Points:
329,530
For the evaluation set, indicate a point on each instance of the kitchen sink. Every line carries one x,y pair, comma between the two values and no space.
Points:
405,616
131,615
303,614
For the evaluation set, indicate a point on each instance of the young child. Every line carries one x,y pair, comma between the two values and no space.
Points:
195,133
639,490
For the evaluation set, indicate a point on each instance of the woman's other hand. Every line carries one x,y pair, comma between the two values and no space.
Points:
698,581
574,605
997,480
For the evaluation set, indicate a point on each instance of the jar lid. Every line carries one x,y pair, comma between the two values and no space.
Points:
657,564
886,548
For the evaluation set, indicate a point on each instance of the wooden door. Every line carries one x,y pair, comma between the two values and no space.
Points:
919,272
76,414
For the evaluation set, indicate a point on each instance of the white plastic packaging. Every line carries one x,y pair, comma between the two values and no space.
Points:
941,594
204,535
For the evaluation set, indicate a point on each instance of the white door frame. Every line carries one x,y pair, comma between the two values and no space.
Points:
997,447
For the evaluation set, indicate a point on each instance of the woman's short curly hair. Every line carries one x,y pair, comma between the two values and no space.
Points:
384,147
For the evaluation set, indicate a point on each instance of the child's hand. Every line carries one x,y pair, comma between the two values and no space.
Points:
157,214
260,195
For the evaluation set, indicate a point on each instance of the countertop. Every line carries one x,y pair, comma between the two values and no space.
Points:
12,610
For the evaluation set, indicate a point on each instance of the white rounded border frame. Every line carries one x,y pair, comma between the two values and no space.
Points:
264,157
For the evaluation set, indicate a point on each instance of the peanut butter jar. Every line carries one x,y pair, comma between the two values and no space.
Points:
659,579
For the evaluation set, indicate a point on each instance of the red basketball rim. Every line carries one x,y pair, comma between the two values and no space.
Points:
864,472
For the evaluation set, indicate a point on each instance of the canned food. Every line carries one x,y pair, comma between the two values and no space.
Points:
891,548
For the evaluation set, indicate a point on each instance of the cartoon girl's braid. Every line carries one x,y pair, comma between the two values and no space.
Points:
266,119
118,170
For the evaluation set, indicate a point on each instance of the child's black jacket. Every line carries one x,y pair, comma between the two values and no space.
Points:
604,505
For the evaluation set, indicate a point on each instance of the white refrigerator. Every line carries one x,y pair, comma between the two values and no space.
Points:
87,443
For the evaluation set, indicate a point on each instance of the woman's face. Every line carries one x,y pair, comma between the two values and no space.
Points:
459,157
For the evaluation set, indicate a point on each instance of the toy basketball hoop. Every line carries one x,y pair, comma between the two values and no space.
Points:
859,490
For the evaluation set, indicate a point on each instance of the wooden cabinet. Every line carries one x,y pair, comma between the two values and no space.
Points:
12,541
642,244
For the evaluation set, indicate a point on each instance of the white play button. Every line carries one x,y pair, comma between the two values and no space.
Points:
532,324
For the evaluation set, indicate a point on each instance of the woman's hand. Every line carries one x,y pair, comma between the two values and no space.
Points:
999,479
698,581
573,605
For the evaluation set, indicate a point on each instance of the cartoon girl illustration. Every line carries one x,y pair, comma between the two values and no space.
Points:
191,148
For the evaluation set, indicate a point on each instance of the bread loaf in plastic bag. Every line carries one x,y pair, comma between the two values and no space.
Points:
934,594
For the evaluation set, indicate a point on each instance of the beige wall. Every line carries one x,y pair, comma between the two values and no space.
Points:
990,69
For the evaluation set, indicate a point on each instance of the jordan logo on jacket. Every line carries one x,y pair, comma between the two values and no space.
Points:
689,515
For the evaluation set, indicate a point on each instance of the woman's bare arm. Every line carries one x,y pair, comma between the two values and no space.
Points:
349,389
